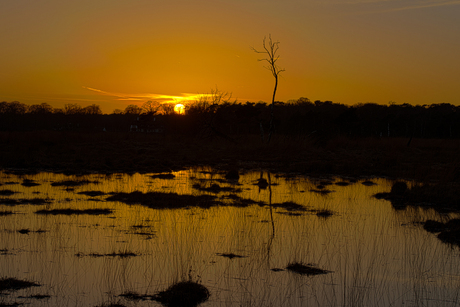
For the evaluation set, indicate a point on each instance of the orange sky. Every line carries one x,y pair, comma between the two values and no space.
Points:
119,52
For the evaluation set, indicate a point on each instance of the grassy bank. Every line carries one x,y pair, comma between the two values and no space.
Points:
73,152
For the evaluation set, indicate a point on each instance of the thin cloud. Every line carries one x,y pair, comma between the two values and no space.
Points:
424,5
366,1
117,95
399,5
147,96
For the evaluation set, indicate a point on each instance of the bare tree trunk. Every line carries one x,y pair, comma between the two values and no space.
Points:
272,106
271,49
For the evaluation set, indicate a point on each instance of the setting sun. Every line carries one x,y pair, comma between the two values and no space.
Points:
179,108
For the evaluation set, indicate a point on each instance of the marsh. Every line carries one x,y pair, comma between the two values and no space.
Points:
96,242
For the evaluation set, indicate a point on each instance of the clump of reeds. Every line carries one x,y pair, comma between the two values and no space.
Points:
124,254
25,201
29,183
398,188
368,183
72,183
215,188
91,193
441,197
290,206
323,183
450,236
305,269
238,201
36,201
232,175
324,213
183,294
262,183
277,270
24,231
6,192
230,255
159,200
397,195
74,211
321,191
38,296
134,296
15,284
434,226
342,183
163,176
448,232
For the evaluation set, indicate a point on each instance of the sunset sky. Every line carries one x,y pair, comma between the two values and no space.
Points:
119,52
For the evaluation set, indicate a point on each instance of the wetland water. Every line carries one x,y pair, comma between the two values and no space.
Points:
238,246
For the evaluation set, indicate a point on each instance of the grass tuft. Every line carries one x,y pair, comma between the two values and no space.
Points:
15,284
232,175
92,193
163,176
324,213
119,254
134,296
305,269
321,191
159,200
183,294
75,212
215,188
230,255
441,197
29,183
72,183
368,183
6,192
289,206
398,188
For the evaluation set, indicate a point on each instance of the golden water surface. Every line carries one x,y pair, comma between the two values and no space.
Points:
375,255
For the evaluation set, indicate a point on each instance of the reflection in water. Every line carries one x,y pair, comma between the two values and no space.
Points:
377,256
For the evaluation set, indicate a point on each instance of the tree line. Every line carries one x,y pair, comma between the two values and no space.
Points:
219,117
18,108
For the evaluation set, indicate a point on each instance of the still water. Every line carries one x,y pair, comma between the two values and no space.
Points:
376,255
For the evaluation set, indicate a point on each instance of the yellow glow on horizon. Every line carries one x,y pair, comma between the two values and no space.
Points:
179,108
162,98
178,101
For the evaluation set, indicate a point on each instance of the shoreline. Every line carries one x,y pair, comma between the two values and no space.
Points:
425,160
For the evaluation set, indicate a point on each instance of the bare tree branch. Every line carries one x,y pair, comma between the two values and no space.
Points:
270,51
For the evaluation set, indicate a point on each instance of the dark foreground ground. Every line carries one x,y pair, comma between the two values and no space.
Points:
425,160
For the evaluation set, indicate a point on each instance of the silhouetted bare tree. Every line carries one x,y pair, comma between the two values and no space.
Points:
93,109
133,109
72,109
166,108
43,108
204,110
270,51
117,111
14,107
150,107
